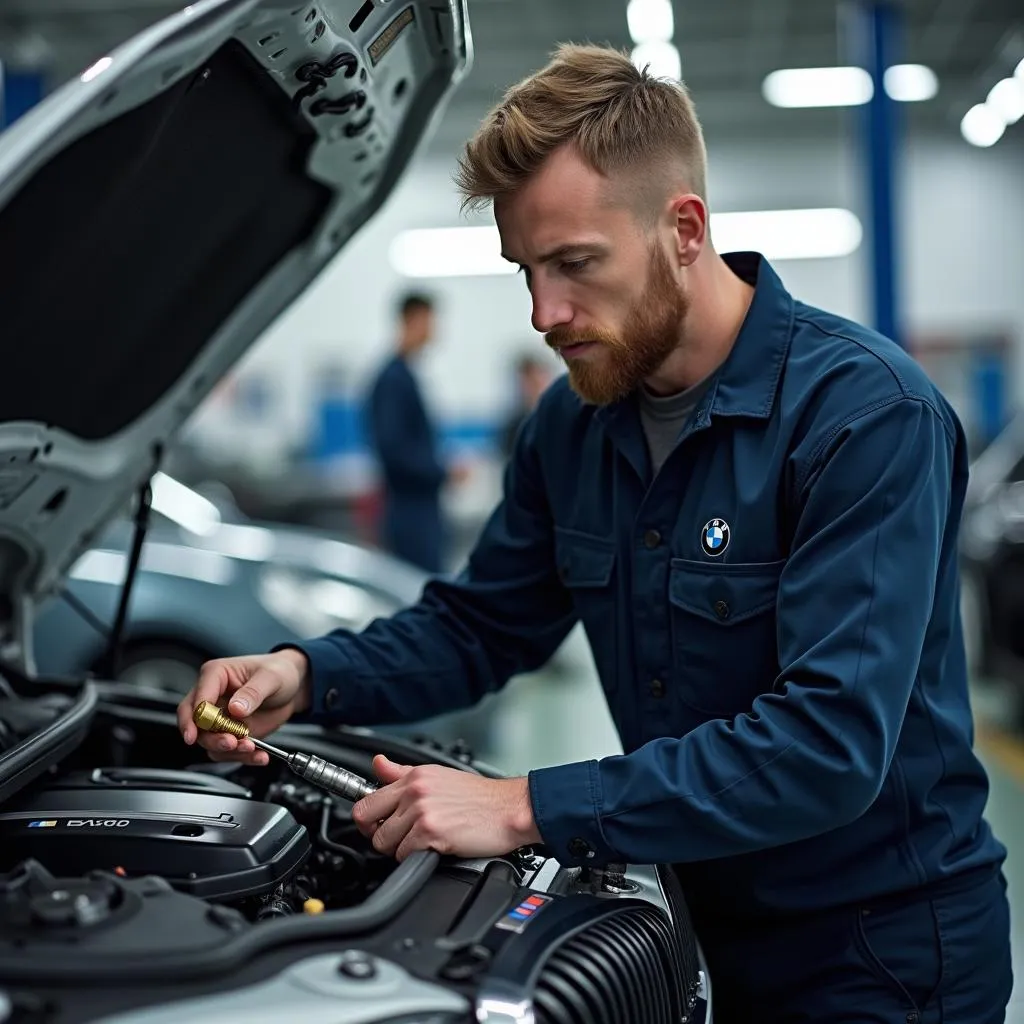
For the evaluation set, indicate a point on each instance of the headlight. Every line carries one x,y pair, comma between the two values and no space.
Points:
313,605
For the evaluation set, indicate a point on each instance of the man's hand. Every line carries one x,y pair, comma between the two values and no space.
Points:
444,809
265,690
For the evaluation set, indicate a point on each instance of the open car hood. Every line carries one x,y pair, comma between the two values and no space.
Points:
157,214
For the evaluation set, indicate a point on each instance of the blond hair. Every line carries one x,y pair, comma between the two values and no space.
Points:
617,116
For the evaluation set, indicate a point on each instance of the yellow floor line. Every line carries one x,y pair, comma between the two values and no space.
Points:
1003,747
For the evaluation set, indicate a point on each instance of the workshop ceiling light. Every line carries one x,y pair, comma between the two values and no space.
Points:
449,252
650,21
846,86
818,87
982,126
788,234
662,60
910,83
1006,99
778,234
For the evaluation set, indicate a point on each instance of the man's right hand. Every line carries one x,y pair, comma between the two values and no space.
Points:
262,690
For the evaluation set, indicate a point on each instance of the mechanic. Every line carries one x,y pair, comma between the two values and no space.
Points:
404,440
753,506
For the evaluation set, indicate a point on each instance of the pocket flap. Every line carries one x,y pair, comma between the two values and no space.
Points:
583,560
723,593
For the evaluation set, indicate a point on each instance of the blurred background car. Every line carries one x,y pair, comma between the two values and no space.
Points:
992,558
210,584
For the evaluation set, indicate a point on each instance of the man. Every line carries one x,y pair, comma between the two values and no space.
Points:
404,440
532,379
753,507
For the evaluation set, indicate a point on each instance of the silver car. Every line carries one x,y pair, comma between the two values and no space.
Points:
209,584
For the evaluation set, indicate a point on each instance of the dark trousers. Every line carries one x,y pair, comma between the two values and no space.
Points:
945,959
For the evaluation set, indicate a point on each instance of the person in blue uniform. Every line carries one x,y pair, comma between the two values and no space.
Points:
404,440
752,505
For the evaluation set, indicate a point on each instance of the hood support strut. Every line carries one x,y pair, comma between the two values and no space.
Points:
112,657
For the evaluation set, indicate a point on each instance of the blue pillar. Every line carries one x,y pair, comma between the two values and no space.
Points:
872,29
19,92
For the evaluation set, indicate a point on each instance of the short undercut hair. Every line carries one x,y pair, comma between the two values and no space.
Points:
617,116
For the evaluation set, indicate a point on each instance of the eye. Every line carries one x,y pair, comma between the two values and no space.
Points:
525,271
576,266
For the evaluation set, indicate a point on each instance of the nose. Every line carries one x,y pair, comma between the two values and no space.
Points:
550,310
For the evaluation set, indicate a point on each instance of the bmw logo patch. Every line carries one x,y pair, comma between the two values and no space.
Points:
714,538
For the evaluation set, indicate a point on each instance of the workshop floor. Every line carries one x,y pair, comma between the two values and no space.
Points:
559,715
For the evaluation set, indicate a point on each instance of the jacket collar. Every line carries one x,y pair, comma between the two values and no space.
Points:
746,383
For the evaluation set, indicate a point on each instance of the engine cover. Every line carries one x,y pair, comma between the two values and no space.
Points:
199,832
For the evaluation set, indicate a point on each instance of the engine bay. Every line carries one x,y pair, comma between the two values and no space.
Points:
270,850
254,840
141,884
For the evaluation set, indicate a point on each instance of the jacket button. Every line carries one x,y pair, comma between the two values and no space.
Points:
657,688
580,848
652,539
721,609
331,699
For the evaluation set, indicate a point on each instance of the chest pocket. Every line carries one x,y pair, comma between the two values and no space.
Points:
723,633
586,567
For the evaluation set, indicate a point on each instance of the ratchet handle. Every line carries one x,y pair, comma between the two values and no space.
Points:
337,781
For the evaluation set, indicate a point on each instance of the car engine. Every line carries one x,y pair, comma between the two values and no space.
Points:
201,891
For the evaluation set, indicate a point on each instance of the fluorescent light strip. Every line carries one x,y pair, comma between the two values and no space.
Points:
982,126
1006,99
846,86
818,87
778,234
650,21
661,60
910,83
986,123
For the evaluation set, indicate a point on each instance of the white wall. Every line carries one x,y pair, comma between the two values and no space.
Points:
961,234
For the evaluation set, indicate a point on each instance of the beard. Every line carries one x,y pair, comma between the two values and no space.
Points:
623,361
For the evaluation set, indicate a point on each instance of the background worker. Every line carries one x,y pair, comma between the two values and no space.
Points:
404,440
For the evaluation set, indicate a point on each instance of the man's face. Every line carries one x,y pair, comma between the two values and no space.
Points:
604,292
419,327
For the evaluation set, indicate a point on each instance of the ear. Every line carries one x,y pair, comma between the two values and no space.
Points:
690,217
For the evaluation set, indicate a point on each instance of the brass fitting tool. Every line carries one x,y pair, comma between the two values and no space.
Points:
337,781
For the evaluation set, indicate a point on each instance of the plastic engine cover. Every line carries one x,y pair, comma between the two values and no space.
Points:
207,840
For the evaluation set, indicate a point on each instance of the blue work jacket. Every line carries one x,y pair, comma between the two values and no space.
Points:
774,618
403,437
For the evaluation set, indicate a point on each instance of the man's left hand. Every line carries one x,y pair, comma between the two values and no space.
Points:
429,807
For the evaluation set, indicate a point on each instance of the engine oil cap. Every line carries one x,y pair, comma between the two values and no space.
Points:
313,906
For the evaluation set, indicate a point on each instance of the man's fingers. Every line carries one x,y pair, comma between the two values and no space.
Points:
218,741
185,723
246,699
212,682
389,771
390,833
375,807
